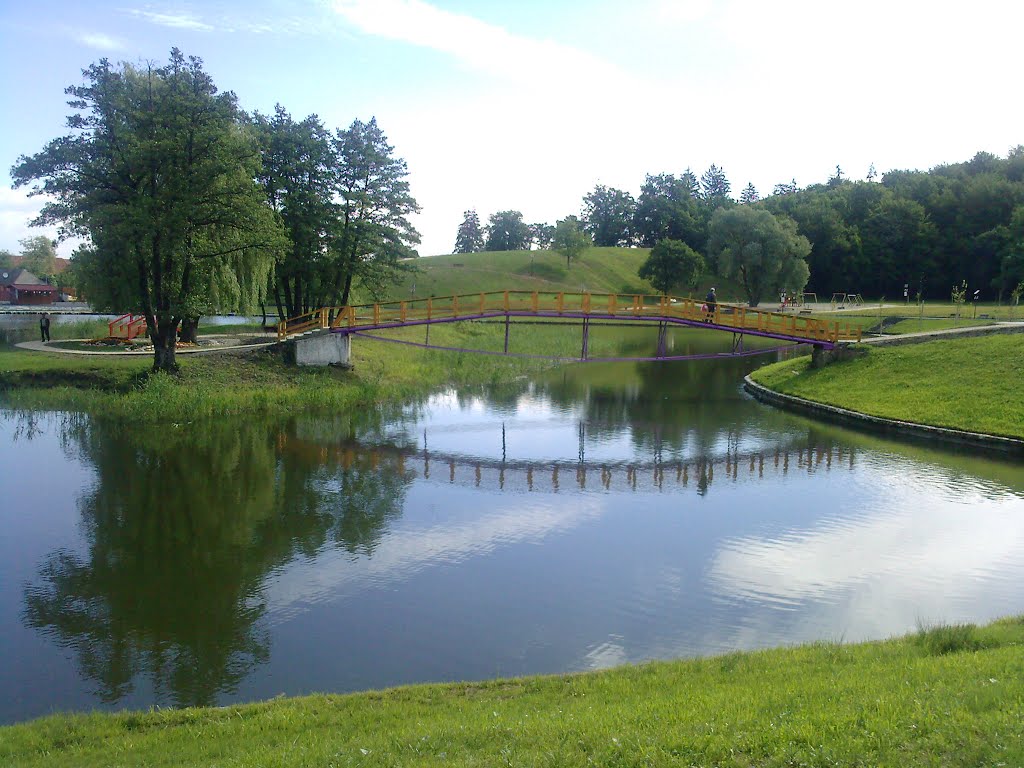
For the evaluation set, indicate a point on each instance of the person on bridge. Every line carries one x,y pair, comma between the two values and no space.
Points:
711,302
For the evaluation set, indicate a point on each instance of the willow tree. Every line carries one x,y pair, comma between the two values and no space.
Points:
159,177
762,252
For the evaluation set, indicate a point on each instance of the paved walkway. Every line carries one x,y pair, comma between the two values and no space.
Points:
947,333
48,346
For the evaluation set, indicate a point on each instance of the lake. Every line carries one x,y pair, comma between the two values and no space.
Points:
601,515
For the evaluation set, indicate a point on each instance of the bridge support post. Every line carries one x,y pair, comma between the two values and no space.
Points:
585,351
320,349
662,334
506,329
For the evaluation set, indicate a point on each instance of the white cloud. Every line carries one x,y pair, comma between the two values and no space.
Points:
17,209
100,41
175,21
480,46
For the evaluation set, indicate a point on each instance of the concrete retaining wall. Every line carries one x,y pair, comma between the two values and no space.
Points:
977,440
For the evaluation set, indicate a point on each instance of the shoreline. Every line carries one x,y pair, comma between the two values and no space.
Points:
944,690
879,425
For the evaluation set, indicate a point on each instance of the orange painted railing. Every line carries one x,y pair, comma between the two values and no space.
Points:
127,327
729,316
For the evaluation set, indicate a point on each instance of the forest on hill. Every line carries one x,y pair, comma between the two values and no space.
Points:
925,232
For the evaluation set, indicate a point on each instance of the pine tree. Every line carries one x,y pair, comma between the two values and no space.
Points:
470,237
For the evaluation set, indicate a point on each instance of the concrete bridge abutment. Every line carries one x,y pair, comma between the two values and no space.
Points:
321,349
821,356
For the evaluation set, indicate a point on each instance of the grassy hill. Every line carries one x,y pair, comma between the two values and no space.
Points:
600,270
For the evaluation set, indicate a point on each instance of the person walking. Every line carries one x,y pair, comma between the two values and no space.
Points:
44,326
711,302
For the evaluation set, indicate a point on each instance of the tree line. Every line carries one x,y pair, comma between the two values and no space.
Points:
919,231
189,205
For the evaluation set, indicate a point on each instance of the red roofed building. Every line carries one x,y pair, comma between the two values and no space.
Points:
19,286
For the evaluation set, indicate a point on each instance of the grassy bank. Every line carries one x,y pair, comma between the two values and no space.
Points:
949,696
971,384
599,270
258,382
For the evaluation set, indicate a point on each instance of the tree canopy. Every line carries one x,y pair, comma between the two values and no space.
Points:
570,240
672,264
765,253
608,216
38,255
506,231
470,237
159,175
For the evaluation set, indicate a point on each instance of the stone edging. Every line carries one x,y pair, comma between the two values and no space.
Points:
833,413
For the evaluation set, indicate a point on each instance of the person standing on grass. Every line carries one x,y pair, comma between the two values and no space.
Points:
711,302
44,326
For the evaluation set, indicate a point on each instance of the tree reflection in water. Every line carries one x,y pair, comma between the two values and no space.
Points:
183,526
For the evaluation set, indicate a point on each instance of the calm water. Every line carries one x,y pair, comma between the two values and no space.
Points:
607,514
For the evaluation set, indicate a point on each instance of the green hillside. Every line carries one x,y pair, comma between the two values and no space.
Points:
600,270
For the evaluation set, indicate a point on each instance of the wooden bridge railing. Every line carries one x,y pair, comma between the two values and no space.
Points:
437,308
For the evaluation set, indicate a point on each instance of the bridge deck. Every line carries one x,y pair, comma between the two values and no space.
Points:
581,306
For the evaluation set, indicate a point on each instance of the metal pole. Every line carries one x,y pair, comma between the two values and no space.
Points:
586,338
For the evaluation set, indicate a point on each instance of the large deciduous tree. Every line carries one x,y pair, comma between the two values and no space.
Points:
541,235
506,231
470,237
299,176
764,252
668,210
38,255
671,264
159,175
608,216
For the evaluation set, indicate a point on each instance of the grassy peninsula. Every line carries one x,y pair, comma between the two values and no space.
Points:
968,383
945,696
258,381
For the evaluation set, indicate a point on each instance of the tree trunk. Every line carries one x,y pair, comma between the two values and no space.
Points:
164,342
189,329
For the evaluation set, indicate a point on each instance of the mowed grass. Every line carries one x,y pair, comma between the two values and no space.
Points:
972,384
924,325
945,696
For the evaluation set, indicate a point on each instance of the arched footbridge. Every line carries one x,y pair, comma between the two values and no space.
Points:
578,308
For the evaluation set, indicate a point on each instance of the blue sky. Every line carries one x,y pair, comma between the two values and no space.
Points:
527,105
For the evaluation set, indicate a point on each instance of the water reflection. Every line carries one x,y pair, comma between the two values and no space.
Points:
606,514
183,527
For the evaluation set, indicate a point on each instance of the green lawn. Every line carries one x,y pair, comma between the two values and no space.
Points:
972,384
599,270
947,696
923,325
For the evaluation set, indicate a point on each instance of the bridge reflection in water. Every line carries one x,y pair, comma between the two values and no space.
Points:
554,476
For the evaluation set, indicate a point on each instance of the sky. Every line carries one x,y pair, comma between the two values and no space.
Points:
529,104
